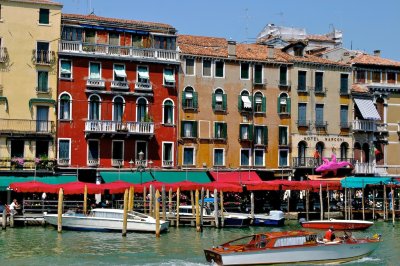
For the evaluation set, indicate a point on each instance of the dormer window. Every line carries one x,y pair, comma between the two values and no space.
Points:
298,50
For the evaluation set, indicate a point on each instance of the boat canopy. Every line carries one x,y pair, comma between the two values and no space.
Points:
361,182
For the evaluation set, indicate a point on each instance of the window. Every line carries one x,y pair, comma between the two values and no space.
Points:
64,151
44,15
219,69
283,158
319,115
258,74
141,151
65,69
94,107
219,100
188,156
206,68
167,152
113,38
376,76
42,149
42,119
219,159
164,42
283,104
244,71
189,129
360,76
301,151
260,135
344,147
42,53
302,111
119,72
259,103
93,152
344,114
189,67
65,107
17,148
283,76
141,110
244,101
344,84
319,82
43,81
245,157
94,71
168,112
246,132
117,152
259,157
220,130
283,135
118,109
301,83
143,74
71,34
391,77
189,98
90,36
169,77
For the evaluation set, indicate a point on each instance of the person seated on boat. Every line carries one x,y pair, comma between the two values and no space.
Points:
329,235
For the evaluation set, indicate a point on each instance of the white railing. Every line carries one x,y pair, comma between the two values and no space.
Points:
362,125
115,126
381,127
93,162
63,162
95,83
117,162
121,85
143,86
167,163
123,51
140,163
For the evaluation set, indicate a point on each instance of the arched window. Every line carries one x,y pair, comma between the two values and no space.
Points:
219,100
283,104
365,152
344,147
319,147
168,112
65,107
302,148
141,110
259,103
118,109
357,152
189,98
94,107
245,101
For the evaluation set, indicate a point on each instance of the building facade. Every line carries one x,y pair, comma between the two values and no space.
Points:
117,93
29,33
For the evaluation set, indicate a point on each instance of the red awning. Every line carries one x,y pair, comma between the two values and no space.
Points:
33,187
237,177
225,187
265,185
79,188
120,186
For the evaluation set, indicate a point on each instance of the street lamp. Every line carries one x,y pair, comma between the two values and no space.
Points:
140,166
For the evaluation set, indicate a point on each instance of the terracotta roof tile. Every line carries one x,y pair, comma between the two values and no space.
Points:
48,2
258,52
359,88
200,45
124,22
366,59
312,59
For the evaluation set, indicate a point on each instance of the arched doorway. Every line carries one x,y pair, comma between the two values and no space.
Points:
357,152
365,153
344,147
301,151
320,147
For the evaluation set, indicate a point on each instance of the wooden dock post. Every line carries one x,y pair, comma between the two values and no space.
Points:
363,204
157,213
144,200
125,217
192,202
329,203
196,204
151,192
85,200
373,204
170,201
12,220
131,196
60,210
252,206
307,205
178,195
384,203
321,202
216,207
201,209
392,201
4,219
222,208
345,204
164,214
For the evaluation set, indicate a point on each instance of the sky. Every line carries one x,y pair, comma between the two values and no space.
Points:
367,25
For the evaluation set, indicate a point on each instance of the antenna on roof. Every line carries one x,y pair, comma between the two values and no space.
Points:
90,10
281,14
247,23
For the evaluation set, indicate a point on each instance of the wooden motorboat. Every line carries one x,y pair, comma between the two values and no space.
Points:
337,224
290,247
107,220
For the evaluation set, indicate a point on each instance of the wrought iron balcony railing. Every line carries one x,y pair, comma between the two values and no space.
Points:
168,163
43,57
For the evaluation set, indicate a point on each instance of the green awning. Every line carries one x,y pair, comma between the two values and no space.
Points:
162,176
361,182
41,100
5,181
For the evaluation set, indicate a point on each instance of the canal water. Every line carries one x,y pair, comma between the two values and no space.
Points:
37,245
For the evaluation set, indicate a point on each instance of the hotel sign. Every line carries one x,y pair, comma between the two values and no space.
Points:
324,139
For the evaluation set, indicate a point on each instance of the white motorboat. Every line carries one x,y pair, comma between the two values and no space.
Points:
107,220
274,218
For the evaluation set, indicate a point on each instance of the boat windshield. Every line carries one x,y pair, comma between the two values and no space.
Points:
112,215
290,241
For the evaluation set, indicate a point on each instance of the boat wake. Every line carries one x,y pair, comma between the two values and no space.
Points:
176,263
364,260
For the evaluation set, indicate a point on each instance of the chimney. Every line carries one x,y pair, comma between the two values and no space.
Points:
231,49
271,52
377,53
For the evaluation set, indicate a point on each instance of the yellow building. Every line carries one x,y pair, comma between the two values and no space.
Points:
29,35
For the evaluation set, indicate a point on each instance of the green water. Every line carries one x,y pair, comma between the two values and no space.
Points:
183,246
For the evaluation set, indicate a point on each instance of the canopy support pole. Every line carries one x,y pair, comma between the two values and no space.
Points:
178,196
363,204
392,201
201,209
321,202
307,204
328,199
125,217
197,211
373,204
384,203
345,203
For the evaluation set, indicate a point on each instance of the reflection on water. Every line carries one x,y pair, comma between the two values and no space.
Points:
181,246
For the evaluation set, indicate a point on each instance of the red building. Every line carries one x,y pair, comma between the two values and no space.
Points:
117,93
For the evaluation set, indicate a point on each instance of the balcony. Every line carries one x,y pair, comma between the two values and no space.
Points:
382,128
369,168
93,162
119,85
143,86
320,91
117,162
27,164
3,54
64,162
284,85
321,125
95,84
303,89
345,125
25,126
311,162
167,163
115,127
127,52
303,123
43,57
364,125
43,90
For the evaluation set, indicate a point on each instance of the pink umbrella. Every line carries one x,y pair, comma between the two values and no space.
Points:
331,165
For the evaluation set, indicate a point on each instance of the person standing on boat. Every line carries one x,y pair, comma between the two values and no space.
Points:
329,235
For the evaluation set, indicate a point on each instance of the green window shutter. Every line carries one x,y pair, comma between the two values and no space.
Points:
240,107
224,130
44,16
265,135
288,105
213,101
224,101
183,99
182,128
251,132
195,100
279,105
264,104
194,129
240,131
215,130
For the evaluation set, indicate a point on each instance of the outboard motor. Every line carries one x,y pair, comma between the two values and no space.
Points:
302,220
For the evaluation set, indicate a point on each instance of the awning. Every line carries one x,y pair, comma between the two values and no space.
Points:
120,73
246,102
5,181
65,67
361,182
143,73
237,177
189,95
218,98
367,109
168,75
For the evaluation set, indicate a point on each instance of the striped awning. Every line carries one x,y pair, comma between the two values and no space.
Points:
367,109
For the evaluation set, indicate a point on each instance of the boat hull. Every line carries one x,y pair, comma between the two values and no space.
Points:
338,224
315,254
85,223
268,222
